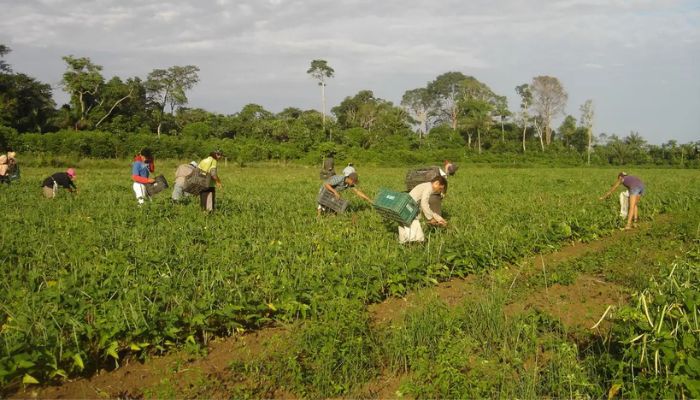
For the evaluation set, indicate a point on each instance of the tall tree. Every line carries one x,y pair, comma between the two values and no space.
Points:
321,71
567,130
4,67
419,105
25,103
501,109
587,114
549,100
82,80
444,91
475,107
525,104
167,87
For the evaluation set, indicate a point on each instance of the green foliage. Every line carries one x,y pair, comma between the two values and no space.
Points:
656,337
91,279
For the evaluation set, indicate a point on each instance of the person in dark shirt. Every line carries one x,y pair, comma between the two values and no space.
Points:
636,188
62,179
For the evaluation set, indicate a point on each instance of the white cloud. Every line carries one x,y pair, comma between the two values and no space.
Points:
368,42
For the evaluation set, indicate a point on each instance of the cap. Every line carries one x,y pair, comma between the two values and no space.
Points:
451,169
193,163
350,164
71,172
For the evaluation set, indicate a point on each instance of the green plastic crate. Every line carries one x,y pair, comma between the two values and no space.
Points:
396,206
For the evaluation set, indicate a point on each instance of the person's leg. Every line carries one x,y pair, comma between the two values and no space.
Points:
48,192
206,199
177,192
632,212
140,192
203,199
211,204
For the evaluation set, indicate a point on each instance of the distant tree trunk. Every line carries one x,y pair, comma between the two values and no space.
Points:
524,131
503,132
323,106
478,138
590,144
539,133
112,109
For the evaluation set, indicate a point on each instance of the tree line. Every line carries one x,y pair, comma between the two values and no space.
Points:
453,114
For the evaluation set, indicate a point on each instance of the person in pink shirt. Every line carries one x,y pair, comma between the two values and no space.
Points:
636,188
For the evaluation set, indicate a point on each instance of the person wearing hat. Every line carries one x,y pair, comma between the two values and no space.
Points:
63,179
181,174
337,183
448,168
141,168
349,169
207,198
636,190
422,194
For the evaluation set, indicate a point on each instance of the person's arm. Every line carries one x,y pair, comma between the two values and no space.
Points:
330,188
361,194
215,177
612,189
141,179
425,204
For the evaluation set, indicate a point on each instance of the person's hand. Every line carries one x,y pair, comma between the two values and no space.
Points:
337,195
601,198
219,185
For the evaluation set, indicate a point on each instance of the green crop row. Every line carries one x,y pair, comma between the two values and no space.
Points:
92,278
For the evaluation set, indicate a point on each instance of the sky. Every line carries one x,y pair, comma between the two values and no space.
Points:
638,60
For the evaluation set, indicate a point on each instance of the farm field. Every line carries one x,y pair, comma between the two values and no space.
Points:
93,280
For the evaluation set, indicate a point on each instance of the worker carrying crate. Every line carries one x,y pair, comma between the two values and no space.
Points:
332,187
396,207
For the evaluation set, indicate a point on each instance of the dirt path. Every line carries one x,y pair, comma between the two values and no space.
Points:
176,375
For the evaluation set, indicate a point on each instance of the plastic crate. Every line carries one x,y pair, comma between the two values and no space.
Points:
415,177
396,206
328,200
158,186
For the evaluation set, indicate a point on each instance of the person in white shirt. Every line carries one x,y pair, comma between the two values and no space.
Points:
421,194
181,174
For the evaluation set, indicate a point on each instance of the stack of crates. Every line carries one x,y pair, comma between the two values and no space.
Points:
327,199
396,206
415,177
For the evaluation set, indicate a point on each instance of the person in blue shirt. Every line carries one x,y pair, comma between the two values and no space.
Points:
141,168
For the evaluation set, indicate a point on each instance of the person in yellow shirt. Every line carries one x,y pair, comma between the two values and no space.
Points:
207,198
